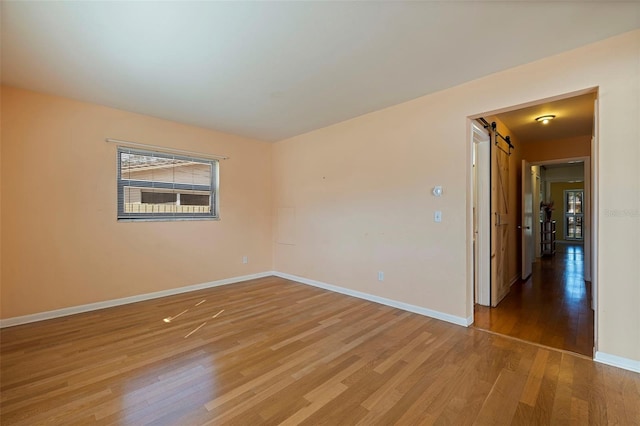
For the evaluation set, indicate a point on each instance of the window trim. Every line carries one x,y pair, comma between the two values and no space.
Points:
212,188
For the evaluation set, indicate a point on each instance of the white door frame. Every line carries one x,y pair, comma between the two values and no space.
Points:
526,226
589,229
591,179
537,181
593,210
481,226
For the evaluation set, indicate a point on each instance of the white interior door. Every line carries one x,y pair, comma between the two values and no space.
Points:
527,219
482,215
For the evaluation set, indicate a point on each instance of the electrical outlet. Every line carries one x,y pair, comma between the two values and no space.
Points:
245,259
380,276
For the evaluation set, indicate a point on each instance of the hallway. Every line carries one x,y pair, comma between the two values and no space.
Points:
552,308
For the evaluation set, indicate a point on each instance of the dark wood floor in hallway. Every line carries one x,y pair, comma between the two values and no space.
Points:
552,308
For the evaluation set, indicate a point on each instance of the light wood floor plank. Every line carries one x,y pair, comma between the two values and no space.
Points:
280,352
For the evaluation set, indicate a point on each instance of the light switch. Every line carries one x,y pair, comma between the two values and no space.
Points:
437,216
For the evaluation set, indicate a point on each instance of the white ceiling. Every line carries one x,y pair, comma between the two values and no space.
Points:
271,70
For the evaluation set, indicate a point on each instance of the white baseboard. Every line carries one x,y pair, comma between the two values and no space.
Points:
618,361
465,322
602,357
41,316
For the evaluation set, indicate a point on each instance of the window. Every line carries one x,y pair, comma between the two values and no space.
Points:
573,214
159,186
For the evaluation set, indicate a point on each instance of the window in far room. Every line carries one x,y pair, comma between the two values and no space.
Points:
573,214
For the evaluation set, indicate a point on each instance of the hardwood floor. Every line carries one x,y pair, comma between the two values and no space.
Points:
552,308
272,351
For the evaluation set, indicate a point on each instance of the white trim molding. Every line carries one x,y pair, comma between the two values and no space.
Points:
465,322
41,316
617,361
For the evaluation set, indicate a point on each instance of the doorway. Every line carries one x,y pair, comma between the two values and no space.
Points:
551,294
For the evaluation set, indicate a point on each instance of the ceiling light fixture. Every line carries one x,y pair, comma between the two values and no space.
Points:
544,119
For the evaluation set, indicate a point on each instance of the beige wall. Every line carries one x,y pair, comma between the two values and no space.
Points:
65,247
579,146
354,198
557,195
